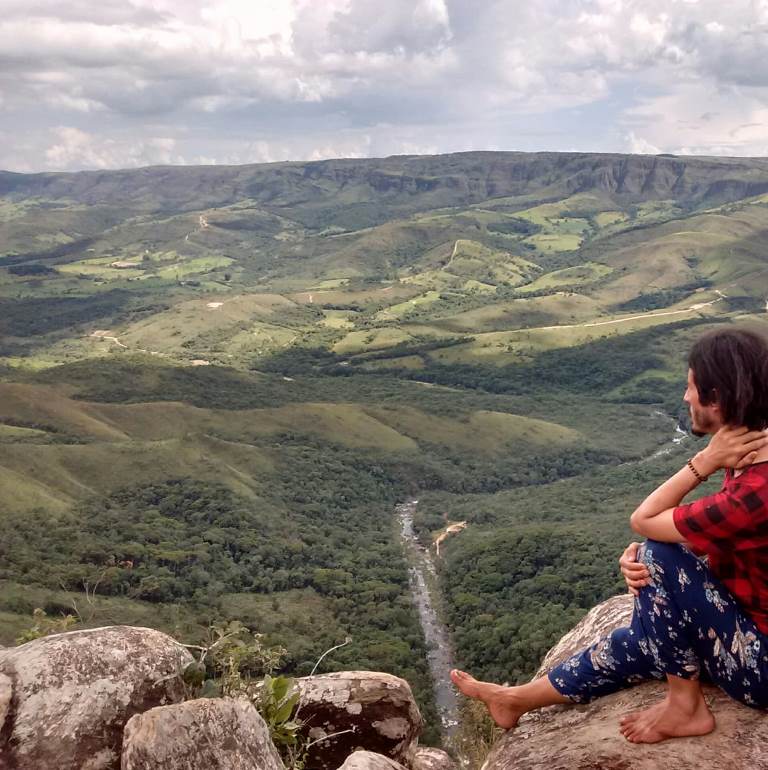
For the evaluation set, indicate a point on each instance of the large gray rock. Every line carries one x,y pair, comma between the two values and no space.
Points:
74,692
588,737
373,711
6,694
203,734
369,760
426,758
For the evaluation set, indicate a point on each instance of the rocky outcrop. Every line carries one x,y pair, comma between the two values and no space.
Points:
369,760
6,693
587,736
426,758
109,698
203,734
73,693
369,710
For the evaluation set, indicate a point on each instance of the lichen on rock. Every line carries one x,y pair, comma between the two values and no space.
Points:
427,758
74,692
207,733
370,760
370,710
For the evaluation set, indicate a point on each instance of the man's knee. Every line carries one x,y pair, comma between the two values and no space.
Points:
658,553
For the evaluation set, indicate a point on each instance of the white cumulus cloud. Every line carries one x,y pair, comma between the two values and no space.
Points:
219,78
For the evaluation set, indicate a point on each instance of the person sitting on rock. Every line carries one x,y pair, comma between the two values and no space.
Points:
700,579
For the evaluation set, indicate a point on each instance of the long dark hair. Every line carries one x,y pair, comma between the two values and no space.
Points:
730,368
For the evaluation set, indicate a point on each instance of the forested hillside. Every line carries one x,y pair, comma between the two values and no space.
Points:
217,382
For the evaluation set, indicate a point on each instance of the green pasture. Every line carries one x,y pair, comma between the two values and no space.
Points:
436,279
15,433
549,242
473,260
262,337
478,286
397,362
505,347
370,339
569,276
331,283
100,268
608,218
194,266
338,319
520,313
403,308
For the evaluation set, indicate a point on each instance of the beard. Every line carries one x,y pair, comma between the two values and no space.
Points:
701,424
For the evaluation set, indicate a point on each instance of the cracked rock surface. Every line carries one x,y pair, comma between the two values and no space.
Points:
369,760
376,711
72,694
426,758
202,734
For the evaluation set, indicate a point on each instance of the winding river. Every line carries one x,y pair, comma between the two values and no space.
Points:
439,650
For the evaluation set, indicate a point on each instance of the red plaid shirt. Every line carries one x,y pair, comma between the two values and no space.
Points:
731,527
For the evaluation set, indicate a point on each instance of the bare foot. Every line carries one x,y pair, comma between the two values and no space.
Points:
500,701
667,720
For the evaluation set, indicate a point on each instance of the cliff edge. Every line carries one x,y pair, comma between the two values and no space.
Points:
587,737
113,699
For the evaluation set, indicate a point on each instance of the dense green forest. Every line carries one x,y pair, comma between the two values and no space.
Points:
533,560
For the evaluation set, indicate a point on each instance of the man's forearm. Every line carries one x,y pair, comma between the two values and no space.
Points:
668,495
674,489
653,517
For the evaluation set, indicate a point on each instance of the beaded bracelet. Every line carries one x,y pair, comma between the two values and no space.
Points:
695,472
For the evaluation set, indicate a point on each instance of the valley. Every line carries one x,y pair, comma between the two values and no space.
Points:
216,384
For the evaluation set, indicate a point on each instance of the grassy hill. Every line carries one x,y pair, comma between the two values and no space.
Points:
227,376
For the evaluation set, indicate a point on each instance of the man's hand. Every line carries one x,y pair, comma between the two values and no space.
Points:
635,573
730,448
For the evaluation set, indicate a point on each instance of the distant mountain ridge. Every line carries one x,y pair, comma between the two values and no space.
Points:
454,179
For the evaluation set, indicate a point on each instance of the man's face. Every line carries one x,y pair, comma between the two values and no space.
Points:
704,419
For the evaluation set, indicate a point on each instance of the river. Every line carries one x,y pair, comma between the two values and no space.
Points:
423,579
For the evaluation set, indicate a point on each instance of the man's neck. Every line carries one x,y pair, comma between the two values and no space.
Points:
762,456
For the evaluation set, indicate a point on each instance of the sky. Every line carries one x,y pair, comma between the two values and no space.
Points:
97,84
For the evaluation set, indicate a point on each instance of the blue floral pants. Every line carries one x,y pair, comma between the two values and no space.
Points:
684,620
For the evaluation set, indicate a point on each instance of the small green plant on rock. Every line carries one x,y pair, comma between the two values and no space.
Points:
231,662
44,625
236,663
277,702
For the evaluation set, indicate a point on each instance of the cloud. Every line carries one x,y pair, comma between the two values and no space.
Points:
639,146
222,77
73,148
700,119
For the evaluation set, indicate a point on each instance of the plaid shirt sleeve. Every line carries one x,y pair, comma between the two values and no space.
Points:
733,519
